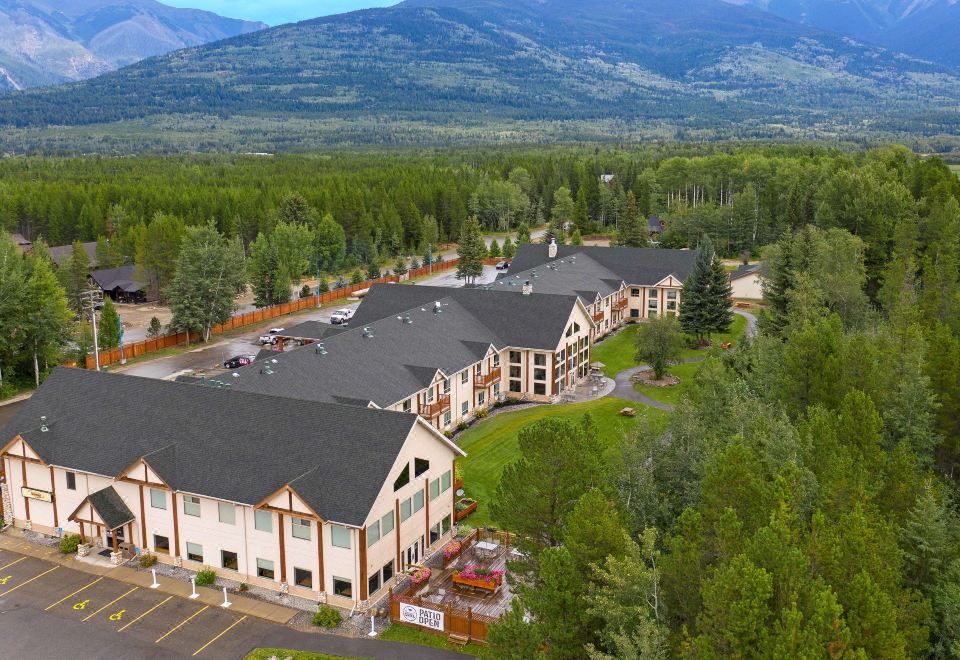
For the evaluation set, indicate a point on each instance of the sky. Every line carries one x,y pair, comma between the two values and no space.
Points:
275,12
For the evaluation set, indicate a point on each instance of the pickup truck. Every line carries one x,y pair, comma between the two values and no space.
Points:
341,316
271,336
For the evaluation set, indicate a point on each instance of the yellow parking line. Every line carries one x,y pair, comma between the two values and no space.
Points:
122,628
111,603
23,584
225,631
182,623
12,563
50,607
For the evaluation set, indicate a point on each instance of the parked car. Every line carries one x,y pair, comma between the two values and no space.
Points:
238,361
341,316
271,336
503,265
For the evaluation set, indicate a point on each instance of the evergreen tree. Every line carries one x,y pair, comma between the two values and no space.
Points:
108,329
156,250
108,254
268,277
509,249
401,266
494,251
74,275
13,296
330,244
209,277
706,300
373,271
719,310
472,252
581,212
576,238
523,233
155,328
47,327
356,277
631,231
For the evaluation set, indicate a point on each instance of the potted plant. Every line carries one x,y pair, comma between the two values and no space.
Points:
476,576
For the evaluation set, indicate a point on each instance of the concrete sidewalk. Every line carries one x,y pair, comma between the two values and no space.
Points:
13,540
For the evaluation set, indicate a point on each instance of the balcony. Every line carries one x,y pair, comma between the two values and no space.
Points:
620,304
598,317
438,407
483,381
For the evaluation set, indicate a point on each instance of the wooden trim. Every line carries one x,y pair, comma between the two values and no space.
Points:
53,499
426,508
396,528
113,538
148,484
283,551
453,492
290,512
144,544
23,473
5,450
262,504
363,563
83,536
176,526
323,581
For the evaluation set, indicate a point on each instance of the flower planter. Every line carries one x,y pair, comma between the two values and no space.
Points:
479,584
464,508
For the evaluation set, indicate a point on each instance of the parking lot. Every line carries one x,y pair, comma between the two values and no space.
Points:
108,618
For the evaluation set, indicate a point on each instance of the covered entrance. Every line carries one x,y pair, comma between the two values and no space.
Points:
105,512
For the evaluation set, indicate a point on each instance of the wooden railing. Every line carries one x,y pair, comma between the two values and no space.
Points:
620,304
483,381
598,317
438,407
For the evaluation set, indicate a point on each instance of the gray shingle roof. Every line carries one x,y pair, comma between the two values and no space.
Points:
402,358
60,253
640,266
312,330
111,508
109,279
219,443
744,269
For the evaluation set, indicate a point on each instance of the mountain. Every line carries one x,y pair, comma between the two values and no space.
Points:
44,42
923,28
494,71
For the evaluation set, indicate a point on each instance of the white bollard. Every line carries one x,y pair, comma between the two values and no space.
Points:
225,603
193,587
155,583
373,632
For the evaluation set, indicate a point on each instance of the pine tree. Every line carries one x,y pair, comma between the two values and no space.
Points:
494,250
48,320
523,233
401,266
706,301
155,328
108,330
576,238
719,314
631,232
73,275
472,252
509,249
581,212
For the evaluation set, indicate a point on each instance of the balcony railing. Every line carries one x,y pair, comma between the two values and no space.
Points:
598,317
438,407
483,381
620,304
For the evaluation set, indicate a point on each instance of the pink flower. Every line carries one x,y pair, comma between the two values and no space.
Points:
451,549
421,575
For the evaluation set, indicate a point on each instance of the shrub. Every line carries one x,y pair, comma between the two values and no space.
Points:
480,413
448,434
461,426
147,560
155,328
243,587
69,543
205,576
327,616
305,291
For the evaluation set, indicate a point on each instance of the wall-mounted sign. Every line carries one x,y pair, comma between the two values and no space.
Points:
421,616
34,494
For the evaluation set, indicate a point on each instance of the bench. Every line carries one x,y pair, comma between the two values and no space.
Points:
459,640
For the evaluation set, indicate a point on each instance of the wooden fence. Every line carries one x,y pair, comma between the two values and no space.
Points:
136,349
463,625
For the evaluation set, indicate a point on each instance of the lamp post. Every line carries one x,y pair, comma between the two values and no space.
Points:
123,360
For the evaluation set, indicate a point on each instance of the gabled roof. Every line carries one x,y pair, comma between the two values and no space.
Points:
593,268
121,278
655,224
401,357
744,270
110,507
219,443
60,253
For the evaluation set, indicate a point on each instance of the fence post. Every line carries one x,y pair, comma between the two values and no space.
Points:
469,624
446,619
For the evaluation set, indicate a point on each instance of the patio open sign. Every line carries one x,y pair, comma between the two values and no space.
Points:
421,616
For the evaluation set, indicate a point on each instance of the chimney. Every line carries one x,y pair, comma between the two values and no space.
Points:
552,250
527,288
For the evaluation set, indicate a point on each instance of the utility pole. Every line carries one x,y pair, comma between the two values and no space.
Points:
318,286
123,360
89,296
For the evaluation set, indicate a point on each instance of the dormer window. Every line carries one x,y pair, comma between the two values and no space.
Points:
420,465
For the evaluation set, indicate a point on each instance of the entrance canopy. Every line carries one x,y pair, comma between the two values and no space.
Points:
105,508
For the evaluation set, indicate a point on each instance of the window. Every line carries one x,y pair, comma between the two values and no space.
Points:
158,499
300,528
496,360
339,536
540,359
540,388
420,465
265,568
194,552
302,577
342,587
446,386
634,293
373,533
481,398
515,386
434,533
634,313
228,513
445,524
403,479
386,524
229,560
515,357
445,481
464,408
539,374
387,571
514,372
671,295
417,501
191,506
71,481
161,544
262,520
407,406
434,489
373,583
446,418
405,511
496,389
464,376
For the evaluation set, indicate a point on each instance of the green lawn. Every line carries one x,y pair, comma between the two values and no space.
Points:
672,395
493,443
616,353
283,654
956,169
409,635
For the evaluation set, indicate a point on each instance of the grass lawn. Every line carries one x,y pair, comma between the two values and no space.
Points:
956,169
672,395
616,352
409,635
493,443
282,654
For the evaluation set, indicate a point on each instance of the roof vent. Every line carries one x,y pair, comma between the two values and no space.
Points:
320,349
266,370
367,332
406,319
235,374
43,424
552,250
527,288
437,308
